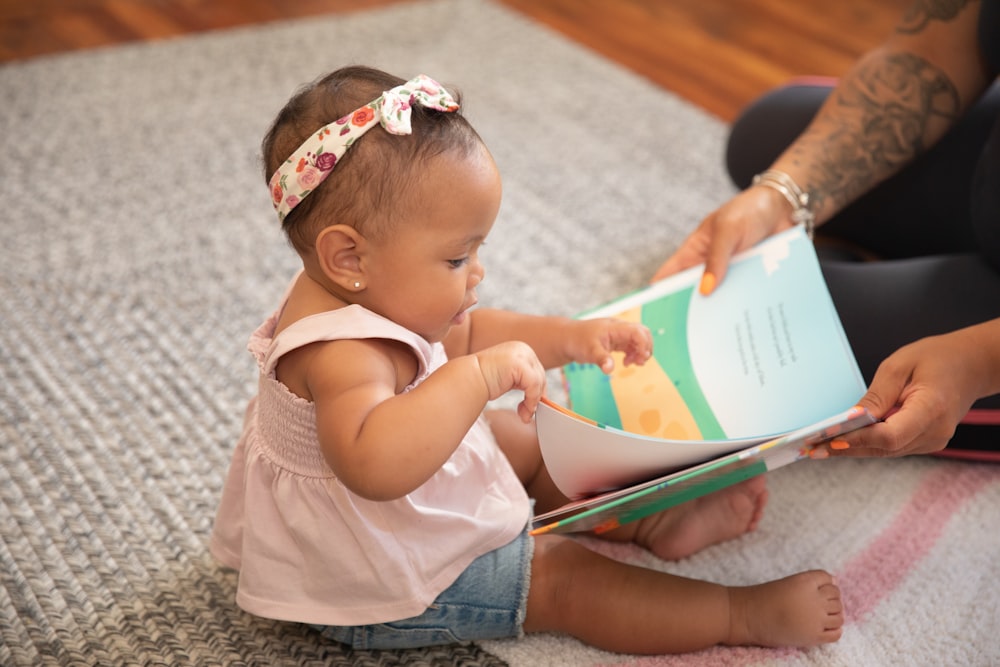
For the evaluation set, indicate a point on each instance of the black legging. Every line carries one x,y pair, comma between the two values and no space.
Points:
936,224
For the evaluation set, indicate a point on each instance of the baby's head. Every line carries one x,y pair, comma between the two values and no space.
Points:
368,180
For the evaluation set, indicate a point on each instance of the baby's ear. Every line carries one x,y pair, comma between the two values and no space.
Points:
338,253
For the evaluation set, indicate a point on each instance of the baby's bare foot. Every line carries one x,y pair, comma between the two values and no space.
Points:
686,529
804,609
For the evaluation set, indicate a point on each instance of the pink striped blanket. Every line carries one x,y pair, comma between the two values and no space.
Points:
914,543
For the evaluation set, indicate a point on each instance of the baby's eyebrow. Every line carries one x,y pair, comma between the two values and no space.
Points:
467,242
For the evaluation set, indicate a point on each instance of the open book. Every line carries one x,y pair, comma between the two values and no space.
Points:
740,382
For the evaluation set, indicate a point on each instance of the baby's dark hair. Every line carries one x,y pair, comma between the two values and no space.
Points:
373,174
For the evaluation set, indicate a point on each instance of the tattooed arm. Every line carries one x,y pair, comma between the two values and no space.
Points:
897,100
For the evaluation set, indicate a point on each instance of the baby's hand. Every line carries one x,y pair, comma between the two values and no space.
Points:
513,365
593,341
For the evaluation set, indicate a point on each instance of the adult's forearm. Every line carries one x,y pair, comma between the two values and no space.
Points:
984,341
887,110
895,103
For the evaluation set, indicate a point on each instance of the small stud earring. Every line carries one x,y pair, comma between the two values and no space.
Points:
357,285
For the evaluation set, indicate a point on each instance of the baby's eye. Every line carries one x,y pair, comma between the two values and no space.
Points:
458,263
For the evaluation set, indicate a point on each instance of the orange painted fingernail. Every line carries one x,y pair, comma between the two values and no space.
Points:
707,284
839,444
819,454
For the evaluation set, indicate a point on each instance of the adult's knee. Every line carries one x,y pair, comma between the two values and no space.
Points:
986,199
768,125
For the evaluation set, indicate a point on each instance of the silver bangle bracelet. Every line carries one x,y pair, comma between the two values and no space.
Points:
796,196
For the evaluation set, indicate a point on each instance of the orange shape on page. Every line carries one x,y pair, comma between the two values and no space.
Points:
648,402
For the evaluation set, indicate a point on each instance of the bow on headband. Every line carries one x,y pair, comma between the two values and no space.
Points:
313,161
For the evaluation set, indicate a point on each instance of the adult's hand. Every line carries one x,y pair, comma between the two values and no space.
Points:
744,220
922,391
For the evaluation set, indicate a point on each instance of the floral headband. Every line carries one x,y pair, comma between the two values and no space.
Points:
313,161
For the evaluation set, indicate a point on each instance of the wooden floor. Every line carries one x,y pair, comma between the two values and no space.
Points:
719,54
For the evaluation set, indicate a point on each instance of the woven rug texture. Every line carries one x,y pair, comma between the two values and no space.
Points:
140,250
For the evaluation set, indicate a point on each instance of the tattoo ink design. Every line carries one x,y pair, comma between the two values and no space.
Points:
923,12
883,118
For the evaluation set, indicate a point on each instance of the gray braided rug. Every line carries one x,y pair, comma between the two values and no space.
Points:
140,250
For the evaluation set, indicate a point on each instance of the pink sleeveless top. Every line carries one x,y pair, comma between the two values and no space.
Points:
308,549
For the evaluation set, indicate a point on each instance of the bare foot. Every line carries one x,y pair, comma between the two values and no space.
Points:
804,609
686,529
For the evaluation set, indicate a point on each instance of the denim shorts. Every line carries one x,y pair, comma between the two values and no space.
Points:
487,601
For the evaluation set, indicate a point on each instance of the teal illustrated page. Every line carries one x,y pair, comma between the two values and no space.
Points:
763,355
592,393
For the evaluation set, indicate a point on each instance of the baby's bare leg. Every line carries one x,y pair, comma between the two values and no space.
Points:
690,527
672,534
784,612
519,442
628,609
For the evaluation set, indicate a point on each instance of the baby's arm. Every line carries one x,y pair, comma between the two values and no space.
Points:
383,444
556,340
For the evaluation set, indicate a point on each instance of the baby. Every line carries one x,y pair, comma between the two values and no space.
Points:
371,494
